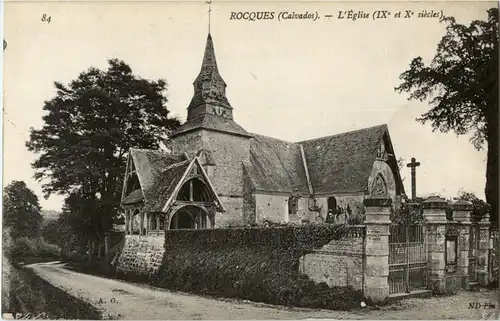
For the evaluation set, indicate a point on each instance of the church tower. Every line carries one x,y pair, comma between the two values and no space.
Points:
211,130
209,88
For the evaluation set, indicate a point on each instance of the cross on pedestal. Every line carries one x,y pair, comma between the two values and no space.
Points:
413,165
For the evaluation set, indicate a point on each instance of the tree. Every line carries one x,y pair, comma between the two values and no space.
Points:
21,210
479,207
89,127
461,85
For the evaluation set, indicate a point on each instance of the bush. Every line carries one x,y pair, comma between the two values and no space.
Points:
258,264
26,247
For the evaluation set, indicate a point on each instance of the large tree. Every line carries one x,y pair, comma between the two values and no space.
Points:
461,86
90,125
21,210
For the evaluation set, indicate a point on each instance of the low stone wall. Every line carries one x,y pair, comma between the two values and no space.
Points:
338,263
141,254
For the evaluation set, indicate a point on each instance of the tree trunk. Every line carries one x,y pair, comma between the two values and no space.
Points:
491,189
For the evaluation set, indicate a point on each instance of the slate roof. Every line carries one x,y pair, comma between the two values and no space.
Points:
211,122
164,185
276,165
149,164
135,196
343,162
215,94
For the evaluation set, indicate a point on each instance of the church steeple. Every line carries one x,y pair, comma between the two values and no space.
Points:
209,88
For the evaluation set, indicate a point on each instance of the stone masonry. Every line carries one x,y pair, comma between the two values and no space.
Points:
434,211
141,254
377,224
338,263
462,213
483,251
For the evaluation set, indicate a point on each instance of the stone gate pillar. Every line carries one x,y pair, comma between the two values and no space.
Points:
377,222
434,212
462,213
483,251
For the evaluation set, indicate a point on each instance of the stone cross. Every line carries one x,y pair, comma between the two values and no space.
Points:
413,165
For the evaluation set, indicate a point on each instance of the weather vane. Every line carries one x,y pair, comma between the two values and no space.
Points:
209,13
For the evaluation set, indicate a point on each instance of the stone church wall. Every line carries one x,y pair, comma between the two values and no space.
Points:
228,152
189,143
141,255
354,200
233,217
338,263
273,208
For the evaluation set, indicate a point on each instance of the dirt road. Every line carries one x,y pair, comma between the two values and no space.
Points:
123,300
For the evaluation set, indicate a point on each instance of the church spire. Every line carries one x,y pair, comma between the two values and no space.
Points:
209,87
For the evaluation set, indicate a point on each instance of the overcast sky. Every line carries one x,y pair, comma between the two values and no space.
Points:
292,80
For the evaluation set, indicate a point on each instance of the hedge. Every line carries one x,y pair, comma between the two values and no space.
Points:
257,264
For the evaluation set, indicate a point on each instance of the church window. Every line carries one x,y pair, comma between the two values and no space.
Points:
206,85
379,188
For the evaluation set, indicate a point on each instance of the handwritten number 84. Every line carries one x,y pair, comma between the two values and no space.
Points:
46,18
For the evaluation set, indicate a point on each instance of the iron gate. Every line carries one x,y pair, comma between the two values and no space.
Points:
407,258
473,247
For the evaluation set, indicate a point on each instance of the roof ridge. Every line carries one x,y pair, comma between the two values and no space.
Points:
343,133
165,152
274,138
175,165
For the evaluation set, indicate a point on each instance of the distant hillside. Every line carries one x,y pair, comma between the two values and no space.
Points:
50,214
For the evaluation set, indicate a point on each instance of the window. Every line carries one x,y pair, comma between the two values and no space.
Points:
451,250
206,85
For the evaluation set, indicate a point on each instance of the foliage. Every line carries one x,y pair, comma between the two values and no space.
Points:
351,217
64,233
479,207
21,210
258,264
27,247
89,127
407,214
461,85
31,297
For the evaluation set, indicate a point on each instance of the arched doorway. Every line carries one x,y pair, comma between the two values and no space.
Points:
332,204
189,217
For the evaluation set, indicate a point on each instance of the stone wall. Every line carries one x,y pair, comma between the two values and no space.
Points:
273,208
189,143
228,152
141,254
338,263
354,200
381,168
234,212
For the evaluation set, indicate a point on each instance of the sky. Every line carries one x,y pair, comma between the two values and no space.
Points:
289,79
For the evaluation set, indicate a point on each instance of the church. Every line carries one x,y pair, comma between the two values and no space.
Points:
216,174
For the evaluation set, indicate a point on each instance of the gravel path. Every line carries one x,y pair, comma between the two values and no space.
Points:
124,300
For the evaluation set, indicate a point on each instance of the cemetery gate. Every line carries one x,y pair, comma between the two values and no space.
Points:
473,249
407,258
